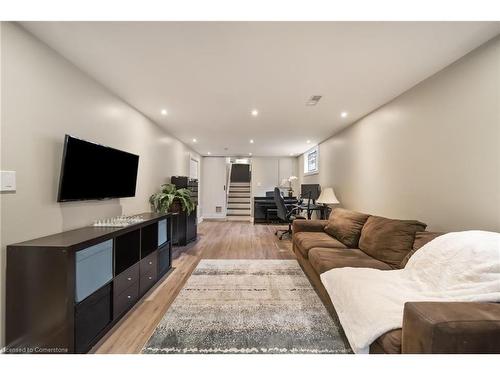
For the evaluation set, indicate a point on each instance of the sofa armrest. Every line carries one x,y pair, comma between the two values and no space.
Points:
309,225
451,327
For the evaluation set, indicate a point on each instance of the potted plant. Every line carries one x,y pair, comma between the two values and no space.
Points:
171,199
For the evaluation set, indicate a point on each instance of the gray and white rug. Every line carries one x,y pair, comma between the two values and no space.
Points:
247,306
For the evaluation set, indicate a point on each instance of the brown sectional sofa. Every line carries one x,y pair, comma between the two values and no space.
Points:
353,239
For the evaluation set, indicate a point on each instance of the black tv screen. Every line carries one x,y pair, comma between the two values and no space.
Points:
92,171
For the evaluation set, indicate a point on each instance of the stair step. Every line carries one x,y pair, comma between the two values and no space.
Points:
238,209
239,195
245,205
239,184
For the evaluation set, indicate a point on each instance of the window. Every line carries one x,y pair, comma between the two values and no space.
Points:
311,161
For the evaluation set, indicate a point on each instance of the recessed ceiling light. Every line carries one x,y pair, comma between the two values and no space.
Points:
164,112
343,114
250,154
255,112
195,140
251,141
308,141
291,153
209,153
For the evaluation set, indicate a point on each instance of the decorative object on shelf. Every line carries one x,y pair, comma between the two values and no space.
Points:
171,199
290,190
118,221
327,198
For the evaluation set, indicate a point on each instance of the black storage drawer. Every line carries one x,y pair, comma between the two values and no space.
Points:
149,239
125,300
163,260
92,315
149,272
127,278
148,279
127,250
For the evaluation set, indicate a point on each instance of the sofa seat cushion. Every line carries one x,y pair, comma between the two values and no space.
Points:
389,240
388,343
323,259
305,241
346,225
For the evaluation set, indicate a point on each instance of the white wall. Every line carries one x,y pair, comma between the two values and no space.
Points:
431,154
212,190
45,97
268,172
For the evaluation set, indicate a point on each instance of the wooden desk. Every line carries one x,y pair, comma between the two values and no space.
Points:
265,210
323,210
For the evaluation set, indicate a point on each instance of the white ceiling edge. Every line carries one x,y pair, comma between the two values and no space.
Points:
223,70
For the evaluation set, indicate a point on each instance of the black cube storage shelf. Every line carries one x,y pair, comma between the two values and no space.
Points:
186,226
149,239
65,291
127,250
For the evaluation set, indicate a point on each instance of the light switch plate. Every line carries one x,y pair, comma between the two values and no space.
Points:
7,180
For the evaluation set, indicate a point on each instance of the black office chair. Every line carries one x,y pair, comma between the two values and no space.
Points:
307,207
286,214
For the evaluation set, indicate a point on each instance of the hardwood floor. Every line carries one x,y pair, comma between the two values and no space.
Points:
216,240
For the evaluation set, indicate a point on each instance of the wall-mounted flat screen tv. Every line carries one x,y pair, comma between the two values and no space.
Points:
92,171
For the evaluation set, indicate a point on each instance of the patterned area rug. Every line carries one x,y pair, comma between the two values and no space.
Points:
247,306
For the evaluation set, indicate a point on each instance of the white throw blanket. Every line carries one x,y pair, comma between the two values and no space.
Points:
459,266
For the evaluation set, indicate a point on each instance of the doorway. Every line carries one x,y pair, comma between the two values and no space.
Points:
240,173
240,190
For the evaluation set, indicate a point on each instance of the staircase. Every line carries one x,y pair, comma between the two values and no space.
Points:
239,202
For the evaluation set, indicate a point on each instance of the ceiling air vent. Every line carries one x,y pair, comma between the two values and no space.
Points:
313,100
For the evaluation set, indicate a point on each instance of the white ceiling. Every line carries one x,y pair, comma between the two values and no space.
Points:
210,75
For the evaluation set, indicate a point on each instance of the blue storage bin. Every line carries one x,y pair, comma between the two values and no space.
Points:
162,232
94,268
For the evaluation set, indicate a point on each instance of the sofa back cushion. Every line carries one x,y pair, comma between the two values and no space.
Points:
421,238
345,226
389,240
